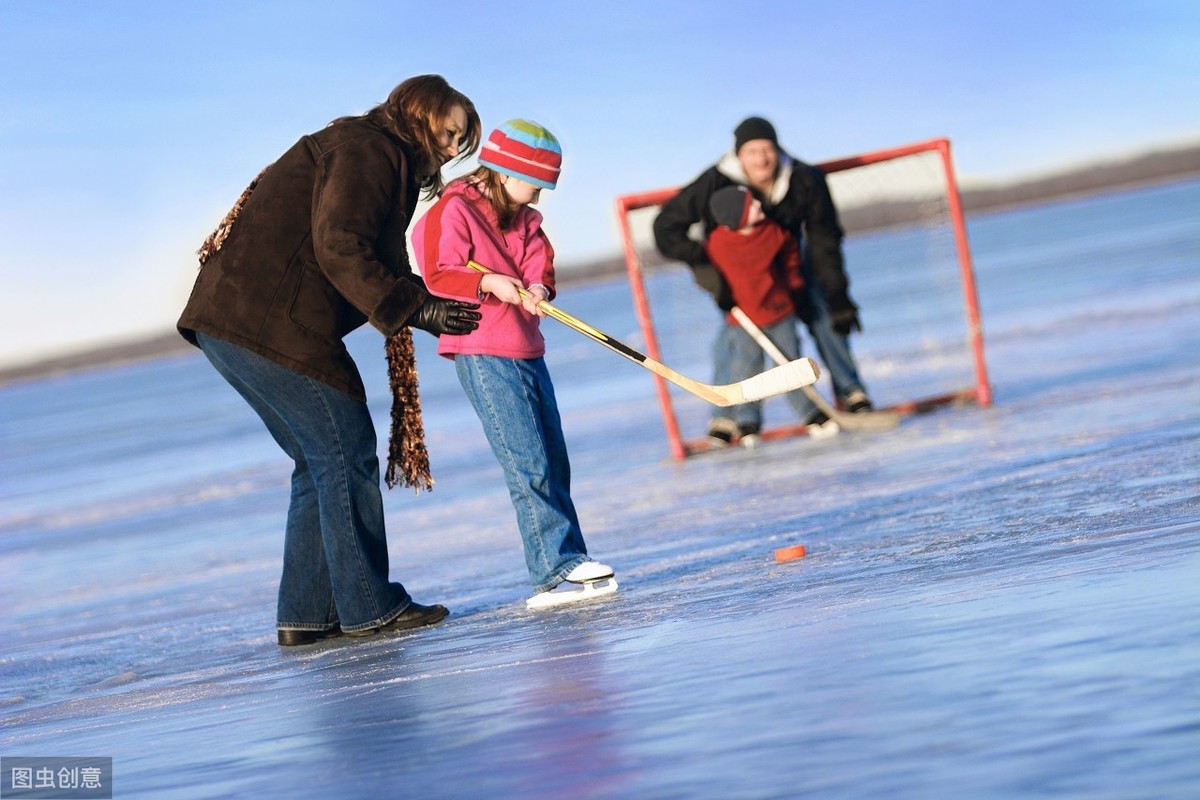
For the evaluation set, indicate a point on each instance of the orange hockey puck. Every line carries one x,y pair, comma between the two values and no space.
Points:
789,553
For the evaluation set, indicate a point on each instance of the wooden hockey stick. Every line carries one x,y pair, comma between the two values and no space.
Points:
784,378
866,421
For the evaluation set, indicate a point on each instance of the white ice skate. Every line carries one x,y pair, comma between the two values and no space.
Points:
589,580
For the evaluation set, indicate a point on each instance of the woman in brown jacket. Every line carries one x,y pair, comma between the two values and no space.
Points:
314,248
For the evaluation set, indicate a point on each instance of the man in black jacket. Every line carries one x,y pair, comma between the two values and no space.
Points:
796,196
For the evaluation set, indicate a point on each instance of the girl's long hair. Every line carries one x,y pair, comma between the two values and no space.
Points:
415,112
489,184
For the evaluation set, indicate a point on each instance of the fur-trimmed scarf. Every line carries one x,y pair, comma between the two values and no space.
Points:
408,460
217,238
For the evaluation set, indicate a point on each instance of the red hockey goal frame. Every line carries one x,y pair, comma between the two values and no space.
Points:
979,393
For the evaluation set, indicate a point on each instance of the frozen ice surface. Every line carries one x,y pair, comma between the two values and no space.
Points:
995,603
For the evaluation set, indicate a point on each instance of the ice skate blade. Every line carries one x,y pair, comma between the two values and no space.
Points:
575,594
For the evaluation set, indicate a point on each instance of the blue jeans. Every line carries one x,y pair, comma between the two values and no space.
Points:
514,399
335,558
737,356
833,348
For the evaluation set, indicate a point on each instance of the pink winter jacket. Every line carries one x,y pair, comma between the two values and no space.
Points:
461,226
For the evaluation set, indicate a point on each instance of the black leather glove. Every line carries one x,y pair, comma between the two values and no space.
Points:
709,279
844,321
443,317
843,313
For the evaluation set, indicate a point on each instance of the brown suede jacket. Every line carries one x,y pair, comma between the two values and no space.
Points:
317,250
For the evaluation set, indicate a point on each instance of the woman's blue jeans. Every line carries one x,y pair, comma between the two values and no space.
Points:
514,399
737,356
335,558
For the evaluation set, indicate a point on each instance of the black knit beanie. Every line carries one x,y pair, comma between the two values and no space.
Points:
753,128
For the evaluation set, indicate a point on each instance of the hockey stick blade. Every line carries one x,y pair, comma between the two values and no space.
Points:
863,421
784,378
787,377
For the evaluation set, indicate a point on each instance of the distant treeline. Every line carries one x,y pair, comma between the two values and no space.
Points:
1172,164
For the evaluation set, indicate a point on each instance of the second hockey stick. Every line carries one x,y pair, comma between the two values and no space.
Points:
784,378
864,421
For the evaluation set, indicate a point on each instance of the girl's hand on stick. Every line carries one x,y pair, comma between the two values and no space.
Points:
535,294
502,287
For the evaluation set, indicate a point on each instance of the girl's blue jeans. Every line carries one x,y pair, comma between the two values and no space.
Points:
514,399
335,558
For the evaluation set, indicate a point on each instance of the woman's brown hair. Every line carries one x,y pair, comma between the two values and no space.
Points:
415,112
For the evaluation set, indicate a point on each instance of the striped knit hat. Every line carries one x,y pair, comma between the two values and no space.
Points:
524,150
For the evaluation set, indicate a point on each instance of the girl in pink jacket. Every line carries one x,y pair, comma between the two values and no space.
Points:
486,217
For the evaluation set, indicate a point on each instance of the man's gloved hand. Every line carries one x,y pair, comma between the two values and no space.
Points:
845,320
443,317
709,279
843,313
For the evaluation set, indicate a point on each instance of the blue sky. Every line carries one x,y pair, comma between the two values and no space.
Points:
128,128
